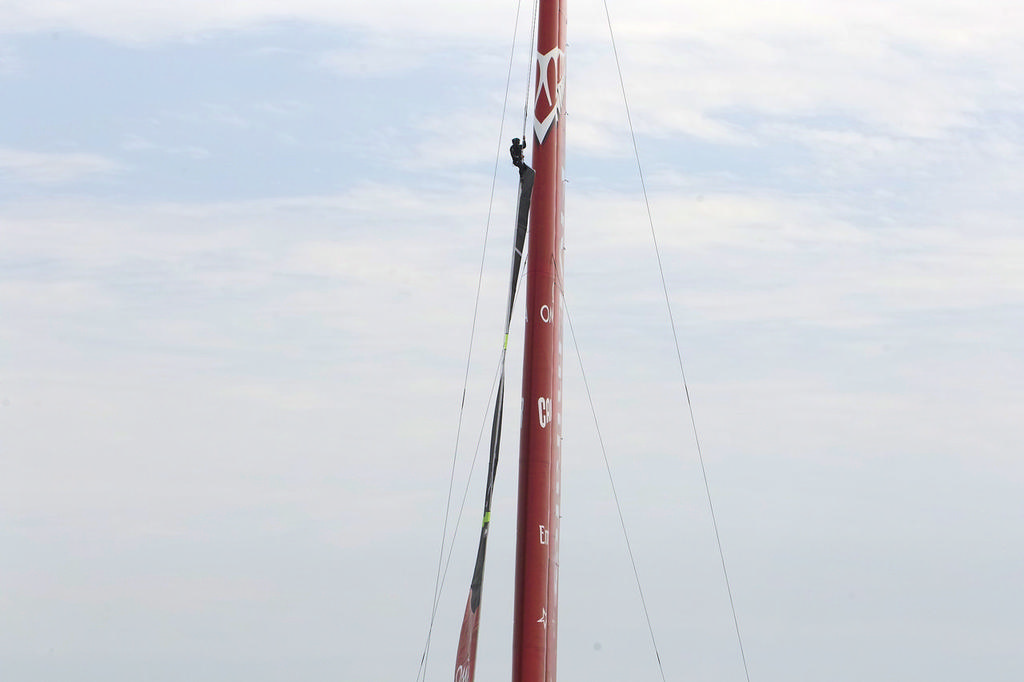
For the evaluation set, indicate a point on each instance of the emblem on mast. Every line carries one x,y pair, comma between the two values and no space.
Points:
547,105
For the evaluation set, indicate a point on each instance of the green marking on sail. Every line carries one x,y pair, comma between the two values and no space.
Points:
487,517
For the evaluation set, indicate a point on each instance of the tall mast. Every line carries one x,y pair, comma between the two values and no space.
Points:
534,639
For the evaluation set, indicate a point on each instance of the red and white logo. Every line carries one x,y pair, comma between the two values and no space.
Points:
547,106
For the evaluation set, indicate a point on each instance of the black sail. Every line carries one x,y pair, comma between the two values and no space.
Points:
465,660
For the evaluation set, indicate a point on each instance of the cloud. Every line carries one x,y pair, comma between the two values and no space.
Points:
282,376
137,143
376,60
129,22
267,391
54,168
10,61
768,256
906,70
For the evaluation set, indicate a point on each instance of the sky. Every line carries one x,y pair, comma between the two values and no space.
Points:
239,253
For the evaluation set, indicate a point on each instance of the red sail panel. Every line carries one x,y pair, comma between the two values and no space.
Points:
465,657
535,627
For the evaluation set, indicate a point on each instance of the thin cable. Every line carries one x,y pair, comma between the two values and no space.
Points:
679,355
438,580
458,521
472,466
465,492
611,479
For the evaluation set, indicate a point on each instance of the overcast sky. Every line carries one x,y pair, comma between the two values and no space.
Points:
239,248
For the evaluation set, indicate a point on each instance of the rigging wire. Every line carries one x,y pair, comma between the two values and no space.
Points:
442,576
472,466
679,355
469,479
529,73
611,479
438,579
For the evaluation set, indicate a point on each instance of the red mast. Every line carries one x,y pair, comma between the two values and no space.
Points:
534,636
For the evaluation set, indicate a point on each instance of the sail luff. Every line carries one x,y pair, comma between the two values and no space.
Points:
535,625
465,657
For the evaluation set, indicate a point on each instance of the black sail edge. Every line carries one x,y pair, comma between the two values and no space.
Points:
465,660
